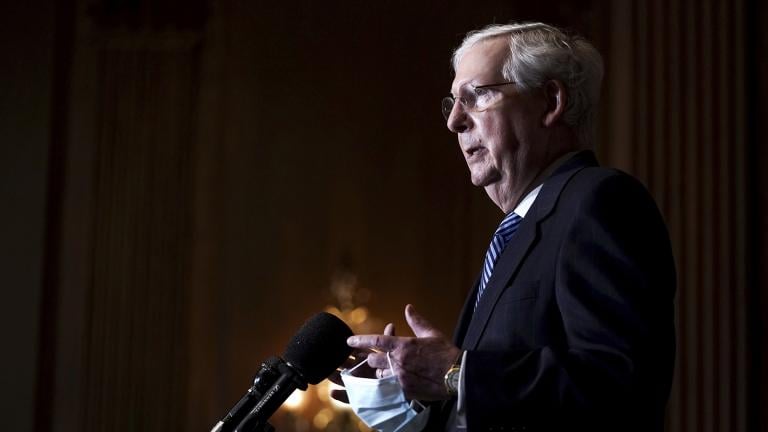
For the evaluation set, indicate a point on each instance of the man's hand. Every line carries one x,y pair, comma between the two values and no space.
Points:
365,370
420,362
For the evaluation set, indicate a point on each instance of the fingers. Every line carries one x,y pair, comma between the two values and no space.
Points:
389,330
378,361
419,363
363,371
340,395
381,342
420,326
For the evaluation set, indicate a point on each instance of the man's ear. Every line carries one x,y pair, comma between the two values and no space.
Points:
556,98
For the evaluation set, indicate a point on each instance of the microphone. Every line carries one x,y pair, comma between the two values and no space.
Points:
314,352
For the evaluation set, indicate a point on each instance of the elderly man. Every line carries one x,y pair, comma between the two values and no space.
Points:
570,323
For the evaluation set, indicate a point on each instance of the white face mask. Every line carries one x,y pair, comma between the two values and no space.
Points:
380,403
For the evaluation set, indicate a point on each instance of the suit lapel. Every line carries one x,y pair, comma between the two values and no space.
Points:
466,315
505,267
516,251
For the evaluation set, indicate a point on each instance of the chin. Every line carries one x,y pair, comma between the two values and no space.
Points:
483,179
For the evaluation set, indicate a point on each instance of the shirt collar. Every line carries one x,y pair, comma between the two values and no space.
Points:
527,202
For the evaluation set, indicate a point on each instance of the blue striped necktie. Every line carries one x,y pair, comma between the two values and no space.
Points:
503,233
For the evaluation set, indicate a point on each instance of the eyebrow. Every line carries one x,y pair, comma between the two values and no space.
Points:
465,84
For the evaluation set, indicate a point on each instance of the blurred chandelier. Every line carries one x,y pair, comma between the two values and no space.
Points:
314,409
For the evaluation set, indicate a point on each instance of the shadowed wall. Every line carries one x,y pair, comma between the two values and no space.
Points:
226,159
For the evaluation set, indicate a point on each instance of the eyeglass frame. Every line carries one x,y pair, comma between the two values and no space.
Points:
449,101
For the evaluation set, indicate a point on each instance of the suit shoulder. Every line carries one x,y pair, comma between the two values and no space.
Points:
600,181
596,175
574,188
608,192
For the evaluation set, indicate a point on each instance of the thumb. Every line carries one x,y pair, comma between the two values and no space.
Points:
420,326
389,330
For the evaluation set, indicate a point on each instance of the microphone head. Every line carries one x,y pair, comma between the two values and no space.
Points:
319,347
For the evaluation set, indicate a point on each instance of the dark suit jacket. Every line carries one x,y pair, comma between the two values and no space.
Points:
575,330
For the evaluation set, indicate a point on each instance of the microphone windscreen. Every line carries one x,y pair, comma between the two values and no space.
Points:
319,347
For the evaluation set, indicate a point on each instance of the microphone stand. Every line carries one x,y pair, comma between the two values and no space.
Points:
263,380
289,380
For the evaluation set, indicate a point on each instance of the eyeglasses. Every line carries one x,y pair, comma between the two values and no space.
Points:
478,98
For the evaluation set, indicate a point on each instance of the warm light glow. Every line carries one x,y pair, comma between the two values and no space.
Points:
322,418
323,391
319,410
295,401
334,311
358,315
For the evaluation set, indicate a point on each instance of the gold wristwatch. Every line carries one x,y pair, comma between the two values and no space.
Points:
452,376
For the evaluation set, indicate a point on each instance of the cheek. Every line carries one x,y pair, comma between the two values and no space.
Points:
494,135
507,146
486,132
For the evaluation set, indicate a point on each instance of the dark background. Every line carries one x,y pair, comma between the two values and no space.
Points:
184,181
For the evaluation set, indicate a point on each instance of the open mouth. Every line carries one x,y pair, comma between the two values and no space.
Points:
472,151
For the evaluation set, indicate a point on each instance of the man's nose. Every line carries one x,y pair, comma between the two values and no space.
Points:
458,120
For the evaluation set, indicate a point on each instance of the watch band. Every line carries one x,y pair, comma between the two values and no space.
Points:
451,379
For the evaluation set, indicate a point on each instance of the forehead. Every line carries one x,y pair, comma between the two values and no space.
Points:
481,62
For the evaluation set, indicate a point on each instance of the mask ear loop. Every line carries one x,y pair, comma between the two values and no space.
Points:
389,360
352,369
414,402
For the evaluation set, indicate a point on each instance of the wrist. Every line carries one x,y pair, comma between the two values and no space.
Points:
451,379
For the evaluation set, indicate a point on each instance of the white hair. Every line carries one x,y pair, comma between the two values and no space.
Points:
538,53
